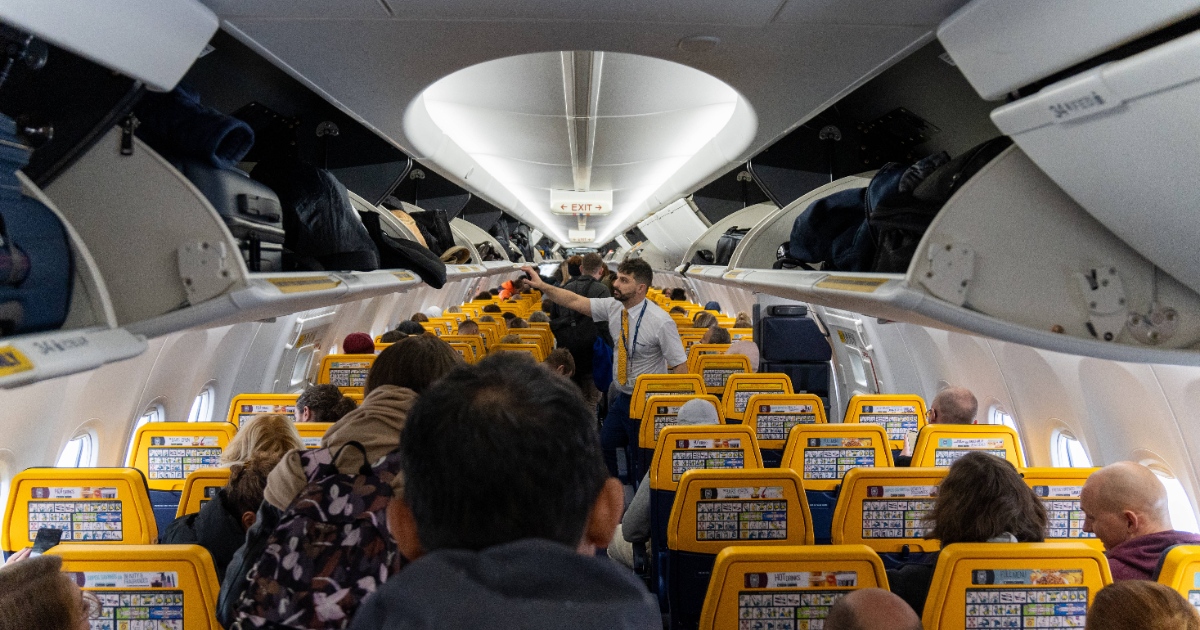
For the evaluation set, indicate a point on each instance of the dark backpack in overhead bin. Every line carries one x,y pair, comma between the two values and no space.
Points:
728,243
404,254
435,226
36,264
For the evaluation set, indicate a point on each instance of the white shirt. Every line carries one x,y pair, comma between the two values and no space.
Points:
658,345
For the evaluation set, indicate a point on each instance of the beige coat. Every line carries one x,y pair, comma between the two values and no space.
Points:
375,424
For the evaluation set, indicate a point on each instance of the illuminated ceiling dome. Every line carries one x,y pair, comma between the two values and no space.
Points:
517,128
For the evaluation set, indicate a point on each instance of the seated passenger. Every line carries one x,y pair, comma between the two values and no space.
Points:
511,339
483,295
677,310
420,318
454,309
323,403
704,319
488,319
35,594
1140,605
411,328
713,305
678,295
491,308
220,525
1125,505
635,525
517,322
507,290
506,498
358,343
952,405
871,609
743,320
392,336
561,362
982,499
716,334
508,317
539,316
468,327
266,433
398,376
746,348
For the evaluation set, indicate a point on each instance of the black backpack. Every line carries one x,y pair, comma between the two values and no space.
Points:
404,254
728,243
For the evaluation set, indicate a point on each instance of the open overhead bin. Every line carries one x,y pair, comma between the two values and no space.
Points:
673,230
709,253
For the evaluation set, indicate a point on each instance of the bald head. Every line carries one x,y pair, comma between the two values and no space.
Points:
872,609
954,405
1123,501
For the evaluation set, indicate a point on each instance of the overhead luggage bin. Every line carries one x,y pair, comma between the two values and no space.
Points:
670,233
470,236
745,218
1120,140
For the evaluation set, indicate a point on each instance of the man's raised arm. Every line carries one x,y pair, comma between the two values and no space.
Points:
562,297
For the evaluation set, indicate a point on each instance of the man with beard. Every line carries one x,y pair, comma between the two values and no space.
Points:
646,342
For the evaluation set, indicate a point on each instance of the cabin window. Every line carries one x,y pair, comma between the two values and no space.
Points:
78,453
1183,517
1069,452
997,415
202,407
154,413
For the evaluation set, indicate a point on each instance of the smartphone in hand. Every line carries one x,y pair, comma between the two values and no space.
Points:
47,537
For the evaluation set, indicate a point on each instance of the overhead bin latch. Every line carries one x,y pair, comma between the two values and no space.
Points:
204,270
1105,296
951,268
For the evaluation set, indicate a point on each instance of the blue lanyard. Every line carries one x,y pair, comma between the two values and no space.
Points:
637,329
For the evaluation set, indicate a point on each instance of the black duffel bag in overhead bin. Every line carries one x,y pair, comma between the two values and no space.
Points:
322,230
404,254
728,243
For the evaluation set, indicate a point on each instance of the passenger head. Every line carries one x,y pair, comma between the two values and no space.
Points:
454,309
468,327
1140,605
511,339
244,490
678,294
411,328
678,310
561,361
535,465
592,265
508,316
419,317
268,434
493,292
488,318
984,497
36,595
953,405
712,305
483,295
743,321
392,336
716,334
539,316
517,322
633,278
573,265
697,411
358,343
491,308
871,609
1123,501
747,349
704,319
322,403
414,363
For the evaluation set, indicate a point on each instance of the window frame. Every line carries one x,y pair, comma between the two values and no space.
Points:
1060,448
204,404
88,448
1176,489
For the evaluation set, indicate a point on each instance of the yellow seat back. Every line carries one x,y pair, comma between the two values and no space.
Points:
1059,490
1018,585
789,586
540,325
772,416
201,487
1181,571
715,369
714,509
896,413
740,387
103,505
464,350
942,444
167,452
146,586
739,334
532,348
824,453
648,385
698,349
246,406
690,337
347,371
475,341
312,432
543,338
492,332
704,447
662,411
885,508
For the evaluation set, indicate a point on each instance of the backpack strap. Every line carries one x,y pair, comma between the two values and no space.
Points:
365,469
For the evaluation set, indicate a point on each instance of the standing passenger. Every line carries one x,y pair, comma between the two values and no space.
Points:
646,339
576,332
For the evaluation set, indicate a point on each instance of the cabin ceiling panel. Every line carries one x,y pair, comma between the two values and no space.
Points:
910,12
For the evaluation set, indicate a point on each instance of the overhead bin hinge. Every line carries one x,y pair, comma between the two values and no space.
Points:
204,270
1105,296
951,269
128,126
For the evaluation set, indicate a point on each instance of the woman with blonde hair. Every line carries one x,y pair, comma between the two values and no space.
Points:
269,433
36,595
1141,605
